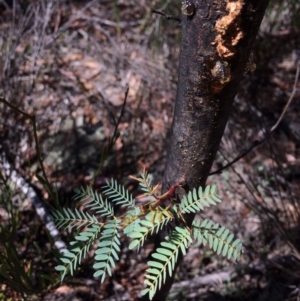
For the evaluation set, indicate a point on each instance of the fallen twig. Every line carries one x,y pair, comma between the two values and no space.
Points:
40,208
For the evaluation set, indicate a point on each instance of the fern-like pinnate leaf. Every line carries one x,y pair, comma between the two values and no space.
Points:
152,223
118,194
107,251
218,238
197,199
67,218
138,223
165,259
146,182
94,201
78,250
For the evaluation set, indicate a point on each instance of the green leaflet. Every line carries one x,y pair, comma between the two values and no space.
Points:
166,257
78,250
219,238
118,194
66,218
197,200
107,251
147,226
94,202
146,182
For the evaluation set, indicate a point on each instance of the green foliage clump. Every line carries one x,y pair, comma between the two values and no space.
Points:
138,223
17,274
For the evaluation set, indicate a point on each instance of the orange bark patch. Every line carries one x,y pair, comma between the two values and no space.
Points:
229,29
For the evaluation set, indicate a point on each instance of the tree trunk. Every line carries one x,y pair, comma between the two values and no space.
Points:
217,37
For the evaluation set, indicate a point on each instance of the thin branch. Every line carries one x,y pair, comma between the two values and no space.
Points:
256,143
27,189
37,144
213,279
290,99
264,211
112,139
168,17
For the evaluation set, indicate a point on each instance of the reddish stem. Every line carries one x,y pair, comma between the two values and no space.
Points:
167,196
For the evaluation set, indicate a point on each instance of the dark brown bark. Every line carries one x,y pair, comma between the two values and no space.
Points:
216,43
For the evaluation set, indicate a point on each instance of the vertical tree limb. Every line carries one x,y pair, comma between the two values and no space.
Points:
216,44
